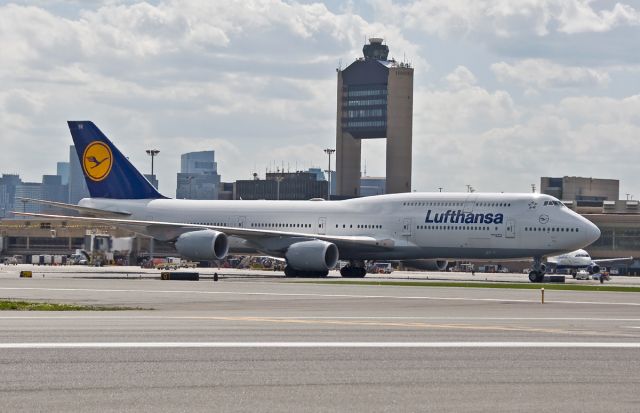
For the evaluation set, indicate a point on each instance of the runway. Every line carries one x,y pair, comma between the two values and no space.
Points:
266,344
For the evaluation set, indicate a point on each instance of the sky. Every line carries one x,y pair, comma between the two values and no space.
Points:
505,91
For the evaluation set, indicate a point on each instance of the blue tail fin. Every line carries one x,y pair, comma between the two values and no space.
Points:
107,172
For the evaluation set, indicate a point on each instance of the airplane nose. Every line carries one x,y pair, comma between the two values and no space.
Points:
592,232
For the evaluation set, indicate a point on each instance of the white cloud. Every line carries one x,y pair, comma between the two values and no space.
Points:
545,74
581,17
255,81
505,18
259,73
461,106
577,136
461,78
600,110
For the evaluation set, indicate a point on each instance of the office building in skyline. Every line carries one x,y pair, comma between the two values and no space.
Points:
77,185
198,177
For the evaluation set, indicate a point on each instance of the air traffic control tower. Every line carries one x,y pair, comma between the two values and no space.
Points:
375,101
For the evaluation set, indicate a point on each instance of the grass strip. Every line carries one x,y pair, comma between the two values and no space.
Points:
11,305
519,286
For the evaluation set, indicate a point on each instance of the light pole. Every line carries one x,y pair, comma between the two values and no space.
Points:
190,180
329,152
152,153
278,180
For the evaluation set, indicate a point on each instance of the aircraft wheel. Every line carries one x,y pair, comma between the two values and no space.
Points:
353,272
292,272
289,272
536,277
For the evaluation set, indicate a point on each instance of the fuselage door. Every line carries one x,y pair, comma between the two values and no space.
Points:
238,222
469,203
510,229
322,226
406,227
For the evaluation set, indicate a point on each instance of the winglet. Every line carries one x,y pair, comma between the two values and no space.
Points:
108,173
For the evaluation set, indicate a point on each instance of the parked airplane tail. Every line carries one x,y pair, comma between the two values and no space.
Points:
108,173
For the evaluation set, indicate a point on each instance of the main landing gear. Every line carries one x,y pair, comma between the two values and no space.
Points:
355,269
537,275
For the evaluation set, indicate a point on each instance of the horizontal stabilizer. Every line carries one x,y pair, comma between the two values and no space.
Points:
85,211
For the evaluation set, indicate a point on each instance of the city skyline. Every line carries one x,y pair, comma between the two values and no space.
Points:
505,92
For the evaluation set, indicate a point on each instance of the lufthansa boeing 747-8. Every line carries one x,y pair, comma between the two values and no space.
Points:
312,235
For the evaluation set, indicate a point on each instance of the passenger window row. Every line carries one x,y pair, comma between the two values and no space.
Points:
361,226
444,204
458,204
493,204
454,227
279,225
551,229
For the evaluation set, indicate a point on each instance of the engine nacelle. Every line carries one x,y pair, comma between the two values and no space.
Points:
594,269
203,245
427,265
312,255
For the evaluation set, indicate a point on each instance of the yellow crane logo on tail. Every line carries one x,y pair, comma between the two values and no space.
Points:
97,161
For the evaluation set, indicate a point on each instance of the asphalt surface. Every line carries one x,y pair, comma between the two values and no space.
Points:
260,343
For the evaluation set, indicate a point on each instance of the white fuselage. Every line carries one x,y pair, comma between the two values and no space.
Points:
421,225
574,259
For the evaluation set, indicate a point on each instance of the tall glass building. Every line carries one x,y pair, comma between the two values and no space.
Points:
198,177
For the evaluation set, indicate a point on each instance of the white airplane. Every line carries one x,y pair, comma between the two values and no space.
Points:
580,260
312,235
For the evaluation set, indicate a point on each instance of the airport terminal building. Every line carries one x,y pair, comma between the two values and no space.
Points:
598,200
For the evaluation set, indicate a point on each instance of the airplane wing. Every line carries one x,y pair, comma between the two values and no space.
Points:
612,260
92,212
169,231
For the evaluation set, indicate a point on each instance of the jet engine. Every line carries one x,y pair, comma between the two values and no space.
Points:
594,269
204,245
427,265
312,255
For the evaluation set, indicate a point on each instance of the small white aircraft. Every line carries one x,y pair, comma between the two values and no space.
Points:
580,260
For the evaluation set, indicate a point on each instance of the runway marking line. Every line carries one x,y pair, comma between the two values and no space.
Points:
395,324
53,316
332,344
316,295
365,323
